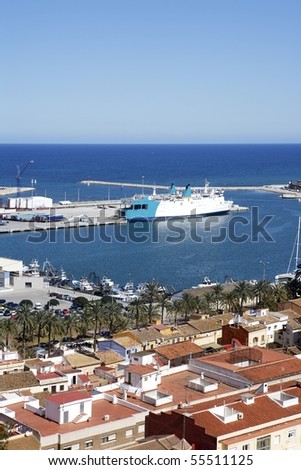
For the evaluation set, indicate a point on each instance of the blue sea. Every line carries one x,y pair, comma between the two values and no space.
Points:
247,245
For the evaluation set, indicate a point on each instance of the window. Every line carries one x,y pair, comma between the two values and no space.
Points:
128,433
246,447
264,443
291,434
141,428
61,387
109,438
67,448
88,444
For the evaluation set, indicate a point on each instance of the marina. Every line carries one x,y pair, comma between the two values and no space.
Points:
91,237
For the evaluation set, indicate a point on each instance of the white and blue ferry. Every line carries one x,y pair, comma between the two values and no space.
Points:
175,203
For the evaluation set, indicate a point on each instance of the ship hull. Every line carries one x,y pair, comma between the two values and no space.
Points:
145,209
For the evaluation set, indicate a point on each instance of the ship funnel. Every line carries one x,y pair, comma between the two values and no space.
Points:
172,189
187,191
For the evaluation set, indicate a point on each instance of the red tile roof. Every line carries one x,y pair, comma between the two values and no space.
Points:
261,413
68,397
184,348
48,375
141,370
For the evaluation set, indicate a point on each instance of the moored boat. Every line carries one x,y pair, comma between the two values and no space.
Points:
187,203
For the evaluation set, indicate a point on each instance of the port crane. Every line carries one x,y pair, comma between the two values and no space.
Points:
20,171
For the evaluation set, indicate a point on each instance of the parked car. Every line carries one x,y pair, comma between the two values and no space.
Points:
38,306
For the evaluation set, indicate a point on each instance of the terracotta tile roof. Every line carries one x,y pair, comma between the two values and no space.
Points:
48,428
17,380
68,397
260,413
77,360
181,349
127,341
109,357
141,370
147,334
205,325
84,378
180,331
268,372
49,375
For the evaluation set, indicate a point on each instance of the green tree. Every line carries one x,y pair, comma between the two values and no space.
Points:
8,330
218,293
25,321
80,302
231,301
95,316
52,325
71,324
243,292
53,303
173,309
114,319
187,304
39,318
150,296
138,311
163,300
209,302
261,290
4,435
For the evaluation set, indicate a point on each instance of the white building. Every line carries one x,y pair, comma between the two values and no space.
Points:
68,407
33,203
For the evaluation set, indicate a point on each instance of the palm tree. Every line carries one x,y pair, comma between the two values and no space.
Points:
187,304
200,304
39,320
8,329
95,317
25,321
242,291
70,323
280,293
163,300
218,291
231,301
150,296
173,309
209,300
52,326
113,317
138,310
261,289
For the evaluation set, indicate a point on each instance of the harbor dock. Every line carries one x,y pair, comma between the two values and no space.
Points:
280,189
103,212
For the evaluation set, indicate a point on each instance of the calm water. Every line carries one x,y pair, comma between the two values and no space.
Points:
178,255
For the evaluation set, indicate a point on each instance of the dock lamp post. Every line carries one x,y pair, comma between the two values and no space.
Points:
264,268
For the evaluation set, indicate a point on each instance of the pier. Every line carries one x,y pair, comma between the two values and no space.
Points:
275,188
6,190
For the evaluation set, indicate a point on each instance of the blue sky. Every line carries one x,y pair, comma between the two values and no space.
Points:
150,71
